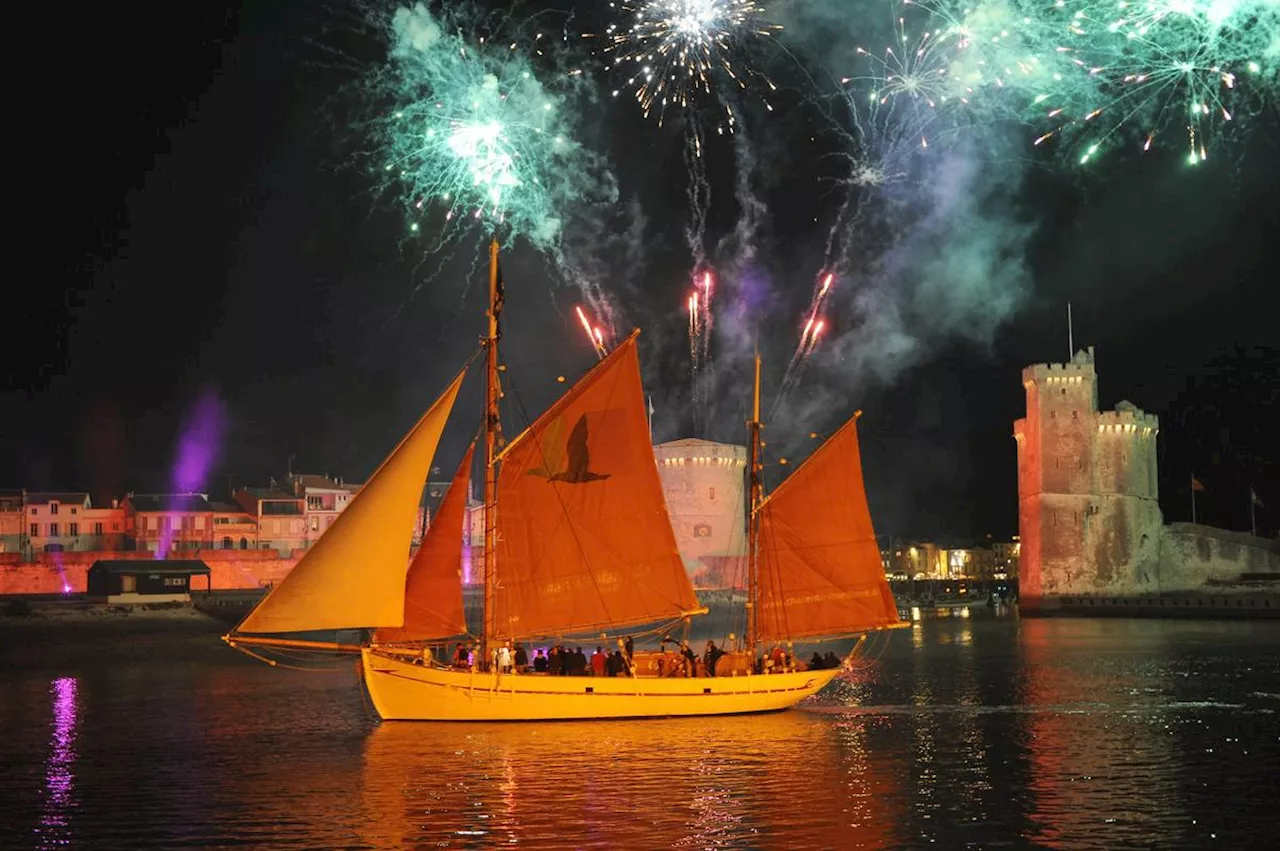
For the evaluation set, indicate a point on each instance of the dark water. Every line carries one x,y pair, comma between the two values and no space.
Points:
962,732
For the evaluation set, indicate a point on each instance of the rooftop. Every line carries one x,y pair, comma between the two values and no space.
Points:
227,508
169,502
37,498
316,483
270,494
164,567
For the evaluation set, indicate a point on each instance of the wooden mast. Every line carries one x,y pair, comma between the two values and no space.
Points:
491,426
753,524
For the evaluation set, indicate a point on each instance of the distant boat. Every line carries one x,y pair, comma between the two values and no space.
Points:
578,544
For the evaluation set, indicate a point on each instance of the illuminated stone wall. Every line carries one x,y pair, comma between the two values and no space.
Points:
54,573
703,483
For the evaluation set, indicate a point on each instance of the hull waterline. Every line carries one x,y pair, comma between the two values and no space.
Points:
402,691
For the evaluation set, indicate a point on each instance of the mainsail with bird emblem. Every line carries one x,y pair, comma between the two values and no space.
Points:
584,541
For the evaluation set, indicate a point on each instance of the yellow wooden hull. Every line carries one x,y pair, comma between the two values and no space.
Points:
402,691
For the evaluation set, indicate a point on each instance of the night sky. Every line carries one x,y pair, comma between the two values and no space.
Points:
210,253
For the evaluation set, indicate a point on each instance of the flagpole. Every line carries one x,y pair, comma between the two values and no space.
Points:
1071,337
1253,512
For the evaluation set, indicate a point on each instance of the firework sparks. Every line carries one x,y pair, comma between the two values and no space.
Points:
674,50
701,321
1194,66
813,328
468,129
595,334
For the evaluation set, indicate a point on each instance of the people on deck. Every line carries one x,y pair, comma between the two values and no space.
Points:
522,659
817,663
690,659
598,667
555,662
778,659
711,657
540,661
504,658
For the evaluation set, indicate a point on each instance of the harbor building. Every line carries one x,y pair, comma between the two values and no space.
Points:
703,483
1088,502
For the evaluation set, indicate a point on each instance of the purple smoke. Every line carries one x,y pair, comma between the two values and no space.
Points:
198,447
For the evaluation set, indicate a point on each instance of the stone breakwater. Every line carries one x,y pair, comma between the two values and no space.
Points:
58,573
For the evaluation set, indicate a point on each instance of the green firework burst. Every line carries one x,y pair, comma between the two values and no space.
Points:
477,127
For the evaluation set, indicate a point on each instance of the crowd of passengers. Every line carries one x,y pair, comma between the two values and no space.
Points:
559,660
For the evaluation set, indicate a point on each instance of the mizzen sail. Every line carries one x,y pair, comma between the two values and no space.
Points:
584,541
819,566
433,586
354,576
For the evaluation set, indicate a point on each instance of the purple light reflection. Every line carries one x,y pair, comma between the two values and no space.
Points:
59,777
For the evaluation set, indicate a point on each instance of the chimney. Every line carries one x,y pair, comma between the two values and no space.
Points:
115,503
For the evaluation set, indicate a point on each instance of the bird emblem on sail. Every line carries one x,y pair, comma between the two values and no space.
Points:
570,464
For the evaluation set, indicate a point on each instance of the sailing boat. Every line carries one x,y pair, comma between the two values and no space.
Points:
578,542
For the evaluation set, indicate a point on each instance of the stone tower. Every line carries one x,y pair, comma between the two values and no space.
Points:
1088,512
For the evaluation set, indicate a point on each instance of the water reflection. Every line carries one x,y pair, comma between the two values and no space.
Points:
59,773
1099,756
973,732
771,781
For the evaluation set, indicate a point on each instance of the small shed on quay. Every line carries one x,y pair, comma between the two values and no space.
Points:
145,580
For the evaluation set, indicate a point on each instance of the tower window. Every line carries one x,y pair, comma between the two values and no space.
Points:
1064,391
1075,415
1053,415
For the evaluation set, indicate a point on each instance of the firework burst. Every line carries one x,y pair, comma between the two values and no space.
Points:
675,51
468,130
1189,68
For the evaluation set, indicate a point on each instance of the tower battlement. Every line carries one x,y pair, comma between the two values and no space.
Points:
1077,371
1128,418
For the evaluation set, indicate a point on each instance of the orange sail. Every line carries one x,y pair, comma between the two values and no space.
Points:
433,587
584,541
354,575
819,567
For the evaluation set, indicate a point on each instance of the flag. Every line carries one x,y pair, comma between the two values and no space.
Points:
1196,484
1253,497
